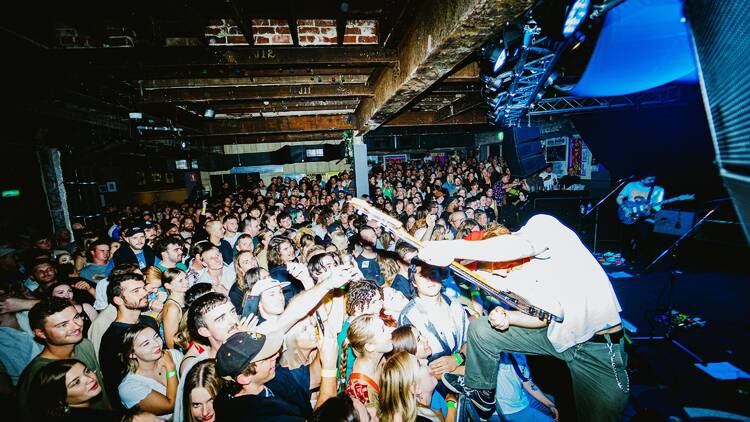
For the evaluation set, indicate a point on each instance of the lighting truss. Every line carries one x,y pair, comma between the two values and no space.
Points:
671,94
528,77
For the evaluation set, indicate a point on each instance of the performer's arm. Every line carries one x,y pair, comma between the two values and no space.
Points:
496,249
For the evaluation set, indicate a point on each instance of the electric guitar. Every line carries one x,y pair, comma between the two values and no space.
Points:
631,211
508,297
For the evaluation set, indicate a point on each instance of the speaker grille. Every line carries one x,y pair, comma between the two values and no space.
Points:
721,30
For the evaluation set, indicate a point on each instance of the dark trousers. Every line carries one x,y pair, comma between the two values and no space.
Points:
637,241
598,370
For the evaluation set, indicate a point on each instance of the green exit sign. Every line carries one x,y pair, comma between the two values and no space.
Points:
11,193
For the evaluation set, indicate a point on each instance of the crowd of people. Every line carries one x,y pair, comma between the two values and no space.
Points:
261,302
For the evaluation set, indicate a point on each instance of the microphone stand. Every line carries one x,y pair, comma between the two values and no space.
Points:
595,208
673,251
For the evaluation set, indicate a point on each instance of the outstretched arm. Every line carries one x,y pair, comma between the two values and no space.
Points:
496,249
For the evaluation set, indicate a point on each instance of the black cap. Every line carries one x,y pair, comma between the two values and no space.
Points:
132,230
241,349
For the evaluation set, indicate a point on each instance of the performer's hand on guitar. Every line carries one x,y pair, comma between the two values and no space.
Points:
437,253
499,319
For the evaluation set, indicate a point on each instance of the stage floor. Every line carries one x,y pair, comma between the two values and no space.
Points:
665,380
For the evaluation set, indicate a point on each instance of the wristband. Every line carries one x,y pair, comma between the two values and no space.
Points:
451,404
171,373
328,373
475,293
459,358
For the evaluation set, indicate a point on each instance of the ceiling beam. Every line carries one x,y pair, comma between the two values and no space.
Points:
439,38
271,125
254,93
465,103
241,18
262,138
105,59
422,118
253,81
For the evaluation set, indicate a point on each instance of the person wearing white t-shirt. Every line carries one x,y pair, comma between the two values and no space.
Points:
549,179
556,271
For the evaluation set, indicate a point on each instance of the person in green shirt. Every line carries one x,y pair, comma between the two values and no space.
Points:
57,323
169,251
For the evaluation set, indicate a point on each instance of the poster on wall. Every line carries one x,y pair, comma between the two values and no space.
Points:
579,157
392,159
556,154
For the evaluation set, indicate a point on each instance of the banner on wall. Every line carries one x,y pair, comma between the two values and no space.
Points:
257,169
392,159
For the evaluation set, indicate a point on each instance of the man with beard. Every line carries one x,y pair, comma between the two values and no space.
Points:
127,292
57,324
43,274
188,227
134,249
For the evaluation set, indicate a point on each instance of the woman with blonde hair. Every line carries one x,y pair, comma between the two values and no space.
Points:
369,339
406,390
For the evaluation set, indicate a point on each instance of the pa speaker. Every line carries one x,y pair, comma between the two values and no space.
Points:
522,150
721,34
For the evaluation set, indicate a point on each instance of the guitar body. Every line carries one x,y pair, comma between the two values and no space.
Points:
631,211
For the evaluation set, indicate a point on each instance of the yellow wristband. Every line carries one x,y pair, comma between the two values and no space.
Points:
328,373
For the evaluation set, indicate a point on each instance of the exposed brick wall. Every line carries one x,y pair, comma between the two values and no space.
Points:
224,32
360,31
316,31
271,32
276,32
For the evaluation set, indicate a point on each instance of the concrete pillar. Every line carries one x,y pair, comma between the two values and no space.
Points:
360,166
54,187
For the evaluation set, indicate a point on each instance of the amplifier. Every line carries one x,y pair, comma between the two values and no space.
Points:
674,222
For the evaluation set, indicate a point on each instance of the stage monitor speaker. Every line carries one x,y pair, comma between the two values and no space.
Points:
673,222
522,150
721,34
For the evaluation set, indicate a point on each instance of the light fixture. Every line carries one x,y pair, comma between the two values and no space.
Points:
209,113
577,13
134,115
500,61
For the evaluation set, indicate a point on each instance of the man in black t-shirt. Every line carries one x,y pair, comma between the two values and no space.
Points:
127,292
261,389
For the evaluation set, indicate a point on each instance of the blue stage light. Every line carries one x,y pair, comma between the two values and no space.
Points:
576,15
500,61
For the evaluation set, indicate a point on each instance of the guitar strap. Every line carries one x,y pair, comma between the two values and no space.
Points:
650,192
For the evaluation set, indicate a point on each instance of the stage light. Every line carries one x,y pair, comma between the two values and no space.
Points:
576,15
209,113
500,61
135,115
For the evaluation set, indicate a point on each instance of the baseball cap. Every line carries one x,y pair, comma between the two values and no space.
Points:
268,283
6,250
148,224
132,230
241,349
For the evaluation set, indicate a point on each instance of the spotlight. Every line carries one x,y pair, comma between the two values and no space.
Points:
500,61
577,13
209,113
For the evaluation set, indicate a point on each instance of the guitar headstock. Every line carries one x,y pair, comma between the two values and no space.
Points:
388,223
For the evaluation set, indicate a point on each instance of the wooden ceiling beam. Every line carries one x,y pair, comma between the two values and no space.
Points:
240,17
461,105
106,59
262,138
439,38
254,81
422,118
181,95
271,125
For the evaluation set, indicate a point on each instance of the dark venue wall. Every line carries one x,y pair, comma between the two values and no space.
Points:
673,143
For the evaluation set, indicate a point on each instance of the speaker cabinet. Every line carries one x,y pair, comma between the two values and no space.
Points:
522,150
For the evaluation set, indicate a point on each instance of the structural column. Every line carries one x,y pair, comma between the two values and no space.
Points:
54,187
359,155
